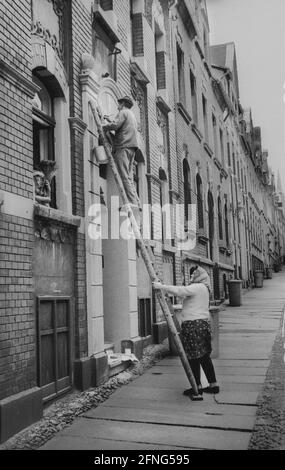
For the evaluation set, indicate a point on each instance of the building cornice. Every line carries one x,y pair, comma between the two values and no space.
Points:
17,79
77,124
153,178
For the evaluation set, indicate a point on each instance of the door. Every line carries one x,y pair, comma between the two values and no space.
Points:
54,345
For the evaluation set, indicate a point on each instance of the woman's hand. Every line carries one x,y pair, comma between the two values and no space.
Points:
157,285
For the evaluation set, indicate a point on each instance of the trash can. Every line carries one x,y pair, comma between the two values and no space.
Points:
269,273
258,278
234,286
214,319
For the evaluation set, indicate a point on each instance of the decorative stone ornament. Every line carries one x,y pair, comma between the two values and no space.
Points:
42,181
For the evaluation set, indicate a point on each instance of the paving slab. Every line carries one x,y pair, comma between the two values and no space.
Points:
220,370
170,436
89,443
176,380
208,407
175,362
177,418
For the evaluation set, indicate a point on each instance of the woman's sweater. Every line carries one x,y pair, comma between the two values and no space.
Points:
195,301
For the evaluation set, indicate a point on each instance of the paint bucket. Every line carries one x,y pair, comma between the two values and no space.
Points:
100,155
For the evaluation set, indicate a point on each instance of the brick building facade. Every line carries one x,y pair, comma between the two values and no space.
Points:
68,298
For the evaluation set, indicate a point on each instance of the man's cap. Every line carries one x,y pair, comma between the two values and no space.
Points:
127,100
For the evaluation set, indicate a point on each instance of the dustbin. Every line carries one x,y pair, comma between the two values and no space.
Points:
258,278
276,268
234,286
269,273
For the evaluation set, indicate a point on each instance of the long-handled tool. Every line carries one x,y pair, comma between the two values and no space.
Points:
165,306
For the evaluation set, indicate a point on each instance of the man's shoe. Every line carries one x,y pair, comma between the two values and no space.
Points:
212,390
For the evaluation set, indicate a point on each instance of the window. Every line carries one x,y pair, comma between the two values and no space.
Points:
187,188
106,4
160,65
200,201
104,52
144,314
220,218
226,224
234,163
194,97
164,204
43,131
214,123
211,224
206,49
222,146
229,153
180,69
205,118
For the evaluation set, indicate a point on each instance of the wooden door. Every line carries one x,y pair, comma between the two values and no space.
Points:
54,345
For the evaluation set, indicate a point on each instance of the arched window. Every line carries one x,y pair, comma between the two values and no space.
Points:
138,163
43,130
200,201
220,218
187,188
211,223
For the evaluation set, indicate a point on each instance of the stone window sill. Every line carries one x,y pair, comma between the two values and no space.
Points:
54,214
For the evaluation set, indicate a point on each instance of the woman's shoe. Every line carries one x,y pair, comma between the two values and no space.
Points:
189,392
212,390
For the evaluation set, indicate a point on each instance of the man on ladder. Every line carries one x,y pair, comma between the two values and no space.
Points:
122,122
125,146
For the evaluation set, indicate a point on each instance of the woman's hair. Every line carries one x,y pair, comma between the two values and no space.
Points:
193,269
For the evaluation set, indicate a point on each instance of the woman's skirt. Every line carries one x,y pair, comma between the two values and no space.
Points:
196,338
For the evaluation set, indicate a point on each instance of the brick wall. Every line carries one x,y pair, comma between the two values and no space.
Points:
16,161
17,330
15,41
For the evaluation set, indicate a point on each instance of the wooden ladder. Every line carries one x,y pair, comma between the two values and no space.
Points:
144,247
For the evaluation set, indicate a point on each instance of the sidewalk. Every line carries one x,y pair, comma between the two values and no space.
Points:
151,412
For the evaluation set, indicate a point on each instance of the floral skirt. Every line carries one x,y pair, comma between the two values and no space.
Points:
196,338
